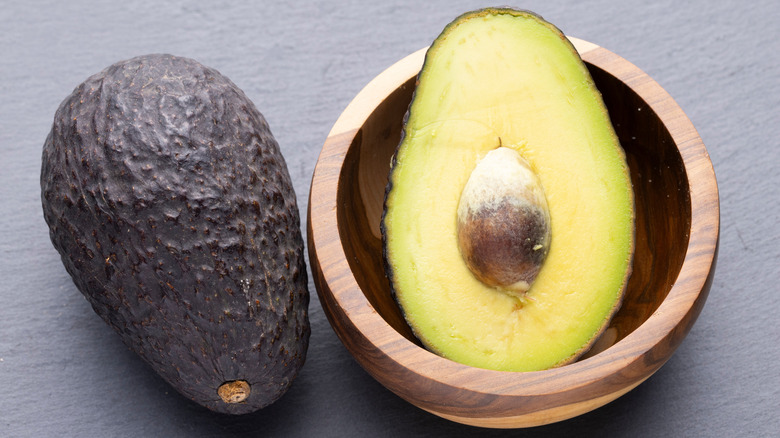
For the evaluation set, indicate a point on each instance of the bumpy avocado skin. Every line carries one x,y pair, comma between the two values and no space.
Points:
171,206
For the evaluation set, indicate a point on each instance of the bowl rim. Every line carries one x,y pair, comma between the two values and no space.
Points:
667,325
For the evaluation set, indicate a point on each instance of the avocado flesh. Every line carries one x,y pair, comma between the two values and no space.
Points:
504,77
172,208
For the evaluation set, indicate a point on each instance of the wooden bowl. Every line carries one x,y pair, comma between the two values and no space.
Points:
677,228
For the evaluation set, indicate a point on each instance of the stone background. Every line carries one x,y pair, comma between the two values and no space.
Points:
63,372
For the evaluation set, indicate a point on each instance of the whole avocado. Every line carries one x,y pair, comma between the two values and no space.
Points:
172,208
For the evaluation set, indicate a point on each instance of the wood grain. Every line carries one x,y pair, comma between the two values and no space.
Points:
677,231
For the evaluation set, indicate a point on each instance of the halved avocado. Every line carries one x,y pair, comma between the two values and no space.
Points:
501,78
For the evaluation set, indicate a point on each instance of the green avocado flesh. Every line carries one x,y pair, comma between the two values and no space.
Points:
500,77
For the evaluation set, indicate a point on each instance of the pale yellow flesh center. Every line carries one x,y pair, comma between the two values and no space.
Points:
520,82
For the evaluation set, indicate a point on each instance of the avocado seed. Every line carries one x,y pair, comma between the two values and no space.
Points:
503,222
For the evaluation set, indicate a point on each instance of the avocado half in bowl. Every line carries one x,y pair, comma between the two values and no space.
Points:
674,250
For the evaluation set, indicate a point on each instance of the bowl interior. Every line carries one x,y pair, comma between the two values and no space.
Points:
662,204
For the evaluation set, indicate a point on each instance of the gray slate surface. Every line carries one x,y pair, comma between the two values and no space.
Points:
63,372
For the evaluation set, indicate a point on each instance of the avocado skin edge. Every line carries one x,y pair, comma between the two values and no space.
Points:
173,211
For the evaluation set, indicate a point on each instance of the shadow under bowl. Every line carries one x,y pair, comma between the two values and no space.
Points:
677,232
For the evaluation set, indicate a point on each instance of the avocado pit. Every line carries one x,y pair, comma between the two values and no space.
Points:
503,222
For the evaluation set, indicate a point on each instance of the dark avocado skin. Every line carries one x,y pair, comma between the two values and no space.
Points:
171,206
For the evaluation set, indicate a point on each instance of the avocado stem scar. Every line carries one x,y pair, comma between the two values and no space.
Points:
234,391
